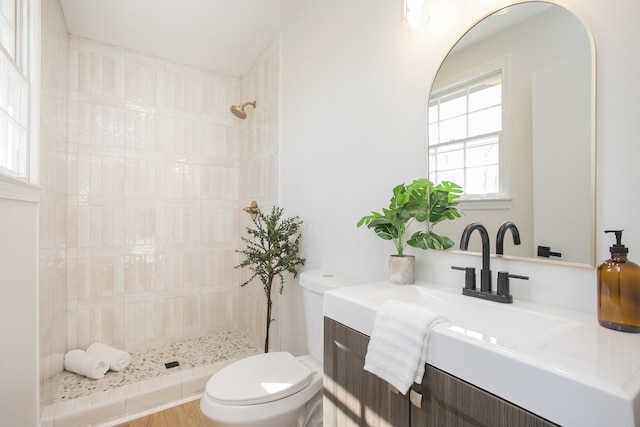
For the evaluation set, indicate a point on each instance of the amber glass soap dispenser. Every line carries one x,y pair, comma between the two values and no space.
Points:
619,289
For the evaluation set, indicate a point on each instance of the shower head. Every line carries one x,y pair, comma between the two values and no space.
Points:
238,110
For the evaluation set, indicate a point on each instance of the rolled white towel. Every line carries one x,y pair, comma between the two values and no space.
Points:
117,359
83,363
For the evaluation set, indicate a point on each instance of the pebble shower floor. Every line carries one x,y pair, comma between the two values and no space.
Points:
146,383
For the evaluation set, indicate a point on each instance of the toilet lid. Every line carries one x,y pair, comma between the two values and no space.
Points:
259,379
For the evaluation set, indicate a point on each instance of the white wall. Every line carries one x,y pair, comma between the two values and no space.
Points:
354,87
19,313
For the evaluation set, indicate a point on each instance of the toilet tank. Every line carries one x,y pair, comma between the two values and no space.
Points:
314,284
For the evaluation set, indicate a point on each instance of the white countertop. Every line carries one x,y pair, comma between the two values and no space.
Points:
580,374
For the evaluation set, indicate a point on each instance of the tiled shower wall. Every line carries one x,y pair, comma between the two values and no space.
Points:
53,206
144,173
153,197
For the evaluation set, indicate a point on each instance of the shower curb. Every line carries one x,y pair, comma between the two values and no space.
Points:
112,407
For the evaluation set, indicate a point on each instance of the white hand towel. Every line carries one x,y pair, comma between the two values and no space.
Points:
83,363
117,359
397,349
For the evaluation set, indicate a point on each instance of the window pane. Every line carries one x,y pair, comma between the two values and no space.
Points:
15,96
453,129
16,149
14,87
433,177
433,113
454,175
450,159
8,9
485,121
434,134
6,38
482,180
484,96
483,155
8,25
454,105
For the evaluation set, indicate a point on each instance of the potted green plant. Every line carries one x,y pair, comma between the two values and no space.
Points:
420,201
272,249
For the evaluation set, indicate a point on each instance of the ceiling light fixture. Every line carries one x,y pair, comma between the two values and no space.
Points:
413,14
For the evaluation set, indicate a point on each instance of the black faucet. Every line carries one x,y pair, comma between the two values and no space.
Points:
502,231
502,293
485,273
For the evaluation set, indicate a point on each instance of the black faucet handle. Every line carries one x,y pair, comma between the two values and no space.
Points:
503,282
546,252
469,276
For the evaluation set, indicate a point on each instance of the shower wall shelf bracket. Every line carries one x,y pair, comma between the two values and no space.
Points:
252,209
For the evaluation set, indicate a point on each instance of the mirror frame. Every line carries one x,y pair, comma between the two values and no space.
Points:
592,146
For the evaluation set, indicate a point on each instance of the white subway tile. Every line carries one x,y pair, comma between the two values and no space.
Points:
73,79
96,74
84,72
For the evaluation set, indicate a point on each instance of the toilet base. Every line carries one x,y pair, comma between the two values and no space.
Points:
311,414
303,409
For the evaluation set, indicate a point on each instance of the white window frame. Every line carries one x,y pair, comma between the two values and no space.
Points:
27,64
501,199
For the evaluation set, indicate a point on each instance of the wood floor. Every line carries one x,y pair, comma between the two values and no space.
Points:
187,415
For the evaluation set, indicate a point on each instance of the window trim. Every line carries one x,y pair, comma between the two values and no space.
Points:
16,189
34,73
502,199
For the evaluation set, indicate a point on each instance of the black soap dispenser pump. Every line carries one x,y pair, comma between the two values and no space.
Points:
619,289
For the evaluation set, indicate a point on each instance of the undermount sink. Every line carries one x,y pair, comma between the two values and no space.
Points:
500,324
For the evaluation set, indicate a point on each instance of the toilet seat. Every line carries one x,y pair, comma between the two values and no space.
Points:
259,379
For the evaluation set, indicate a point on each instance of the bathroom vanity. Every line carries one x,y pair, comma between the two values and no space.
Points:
492,364
357,397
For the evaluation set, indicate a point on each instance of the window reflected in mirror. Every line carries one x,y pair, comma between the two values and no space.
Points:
465,124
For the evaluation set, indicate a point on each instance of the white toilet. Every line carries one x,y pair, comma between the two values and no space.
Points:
277,389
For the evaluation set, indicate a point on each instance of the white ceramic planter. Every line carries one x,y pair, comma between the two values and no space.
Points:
402,269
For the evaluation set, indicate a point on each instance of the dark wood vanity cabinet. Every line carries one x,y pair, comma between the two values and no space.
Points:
450,402
355,397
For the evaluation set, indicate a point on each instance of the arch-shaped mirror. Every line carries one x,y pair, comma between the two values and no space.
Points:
511,119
